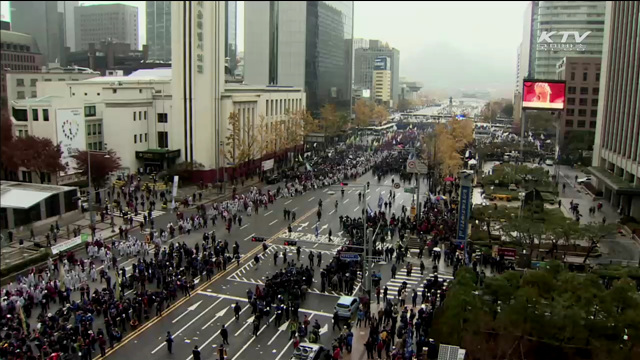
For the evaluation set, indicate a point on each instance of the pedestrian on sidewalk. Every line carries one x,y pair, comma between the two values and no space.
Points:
225,335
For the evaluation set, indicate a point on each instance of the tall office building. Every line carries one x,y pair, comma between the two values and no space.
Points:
564,28
43,21
364,62
616,156
382,80
197,71
159,30
115,22
231,34
582,76
67,8
303,44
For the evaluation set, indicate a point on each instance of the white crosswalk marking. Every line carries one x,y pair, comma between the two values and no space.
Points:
401,276
140,216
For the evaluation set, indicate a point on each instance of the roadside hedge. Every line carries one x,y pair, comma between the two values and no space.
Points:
40,257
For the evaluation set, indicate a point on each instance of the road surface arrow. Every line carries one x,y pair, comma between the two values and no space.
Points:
323,227
324,329
282,328
302,226
249,321
219,314
189,309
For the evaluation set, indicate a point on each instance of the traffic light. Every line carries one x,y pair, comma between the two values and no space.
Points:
290,243
257,238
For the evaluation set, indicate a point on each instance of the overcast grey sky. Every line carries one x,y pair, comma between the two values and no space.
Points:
444,44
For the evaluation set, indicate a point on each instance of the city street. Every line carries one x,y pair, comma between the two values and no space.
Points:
198,319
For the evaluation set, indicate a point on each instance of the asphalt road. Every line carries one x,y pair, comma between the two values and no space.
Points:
198,319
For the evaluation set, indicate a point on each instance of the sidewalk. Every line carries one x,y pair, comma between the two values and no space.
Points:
13,252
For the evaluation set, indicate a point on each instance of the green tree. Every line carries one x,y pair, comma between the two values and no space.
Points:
561,229
507,110
403,105
550,311
594,232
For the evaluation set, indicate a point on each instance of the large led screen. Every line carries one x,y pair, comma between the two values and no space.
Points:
541,95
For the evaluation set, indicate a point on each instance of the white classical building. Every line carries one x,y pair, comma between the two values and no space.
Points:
134,115
155,118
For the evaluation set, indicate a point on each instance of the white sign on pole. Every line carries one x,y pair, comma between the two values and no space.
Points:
416,167
175,186
71,134
267,165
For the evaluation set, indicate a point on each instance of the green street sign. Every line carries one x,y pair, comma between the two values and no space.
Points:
410,190
84,237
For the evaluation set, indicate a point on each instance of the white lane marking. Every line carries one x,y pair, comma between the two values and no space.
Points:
313,197
249,237
273,222
253,338
244,226
216,334
288,202
294,209
368,197
270,211
188,324
332,211
346,201
356,209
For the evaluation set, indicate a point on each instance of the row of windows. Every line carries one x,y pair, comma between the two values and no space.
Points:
14,47
582,101
584,90
94,129
139,117
137,139
97,146
582,113
20,67
585,76
35,114
280,106
21,95
581,124
19,58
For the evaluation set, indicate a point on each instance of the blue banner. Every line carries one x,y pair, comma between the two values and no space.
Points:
463,213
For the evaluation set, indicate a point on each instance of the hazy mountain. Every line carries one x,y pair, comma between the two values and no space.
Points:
441,66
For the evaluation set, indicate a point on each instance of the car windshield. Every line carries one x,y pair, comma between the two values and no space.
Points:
343,306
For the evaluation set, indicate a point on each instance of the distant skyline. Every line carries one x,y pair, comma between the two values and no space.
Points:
445,45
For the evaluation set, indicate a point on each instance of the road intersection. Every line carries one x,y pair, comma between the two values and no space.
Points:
197,320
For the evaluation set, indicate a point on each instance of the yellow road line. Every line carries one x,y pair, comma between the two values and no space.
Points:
175,305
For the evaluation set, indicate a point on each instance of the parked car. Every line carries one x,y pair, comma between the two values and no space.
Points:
273,179
548,162
347,306
584,180
513,187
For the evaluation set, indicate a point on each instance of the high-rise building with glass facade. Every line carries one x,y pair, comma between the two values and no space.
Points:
159,30
564,28
616,152
231,34
303,44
